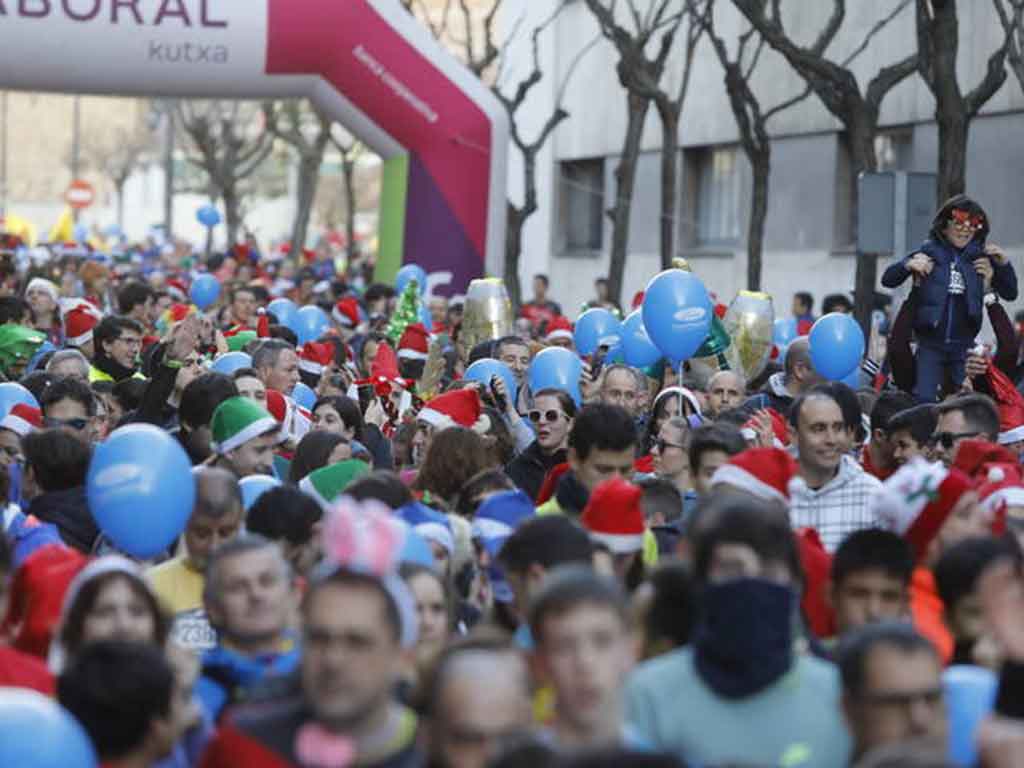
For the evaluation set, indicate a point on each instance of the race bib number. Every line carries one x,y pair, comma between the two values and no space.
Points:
193,631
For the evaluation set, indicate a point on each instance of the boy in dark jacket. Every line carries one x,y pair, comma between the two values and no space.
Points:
956,273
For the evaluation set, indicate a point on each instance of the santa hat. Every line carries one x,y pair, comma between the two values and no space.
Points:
328,483
293,420
22,420
429,523
558,328
1001,487
237,421
780,429
974,454
415,342
499,515
177,291
682,392
44,285
768,473
459,408
315,356
346,312
80,317
1011,406
614,517
916,501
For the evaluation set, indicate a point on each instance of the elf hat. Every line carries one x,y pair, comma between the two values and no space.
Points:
328,483
614,517
429,523
498,517
44,285
459,408
315,356
768,473
22,420
237,421
346,313
1011,406
559,328
917,500
79,321
415,342
238,339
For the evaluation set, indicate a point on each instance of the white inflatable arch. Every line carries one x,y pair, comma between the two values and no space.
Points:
367,63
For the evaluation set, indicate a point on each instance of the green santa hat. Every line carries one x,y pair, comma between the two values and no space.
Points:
18,343
237,421
328,483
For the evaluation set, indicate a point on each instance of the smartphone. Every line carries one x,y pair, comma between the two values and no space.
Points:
597,361
499,399
366,395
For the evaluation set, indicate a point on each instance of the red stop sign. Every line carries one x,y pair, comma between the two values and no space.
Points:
80,194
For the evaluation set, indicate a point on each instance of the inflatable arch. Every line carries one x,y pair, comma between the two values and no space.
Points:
367,63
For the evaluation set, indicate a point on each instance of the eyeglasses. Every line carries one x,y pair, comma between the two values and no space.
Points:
661,445
76,424
965,220
948,439
131,341
549,416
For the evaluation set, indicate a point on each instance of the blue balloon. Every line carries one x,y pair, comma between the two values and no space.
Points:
416,550
426,319
616,354
140,489
486,369
304,396
253,486
837,345
639,350
556,368
204,291
970,696
230,362
284,310
12,393
208,216
677,314
36,732
784,331
596,328
310,323
411,272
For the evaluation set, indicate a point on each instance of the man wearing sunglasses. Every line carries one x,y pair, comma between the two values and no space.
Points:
963,418
955,274
69,404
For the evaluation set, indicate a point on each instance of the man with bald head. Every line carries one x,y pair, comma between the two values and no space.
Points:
783,388
478,700
216,518
726,390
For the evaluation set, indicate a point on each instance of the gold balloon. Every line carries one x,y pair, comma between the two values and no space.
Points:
749,322
487,314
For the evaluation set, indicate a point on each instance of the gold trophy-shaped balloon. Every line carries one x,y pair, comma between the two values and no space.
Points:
487,314
749,322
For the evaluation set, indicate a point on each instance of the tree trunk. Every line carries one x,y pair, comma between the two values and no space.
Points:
862,131
309,176
761,166
515,218
953,128
348,176
232,217
625,180
669,184
119,185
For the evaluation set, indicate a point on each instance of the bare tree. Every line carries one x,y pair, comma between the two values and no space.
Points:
230,145
476,43
837,88
308,132
350,149
640,74
117,154
938,40
1011,16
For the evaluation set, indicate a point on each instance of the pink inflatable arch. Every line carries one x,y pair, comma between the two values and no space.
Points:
367,63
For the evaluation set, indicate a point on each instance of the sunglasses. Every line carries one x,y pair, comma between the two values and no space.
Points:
549,416
948,439
661,445
962,218
76,424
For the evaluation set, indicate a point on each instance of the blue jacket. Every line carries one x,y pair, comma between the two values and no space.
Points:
934,289
228,676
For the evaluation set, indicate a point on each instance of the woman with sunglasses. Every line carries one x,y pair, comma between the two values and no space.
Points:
671,453
552,417
955,276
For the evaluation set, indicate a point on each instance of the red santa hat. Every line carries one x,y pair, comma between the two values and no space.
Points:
315,356
768,473
80,317
917,500
176,289
22,419
415,342
973,455
780,429
295,420
1011,406
346,312
1001,487
558,328
459,408
614,517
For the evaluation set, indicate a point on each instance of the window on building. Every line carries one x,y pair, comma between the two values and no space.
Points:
582,204
719,196
893,149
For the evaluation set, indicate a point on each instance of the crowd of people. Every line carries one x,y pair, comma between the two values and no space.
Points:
390,563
